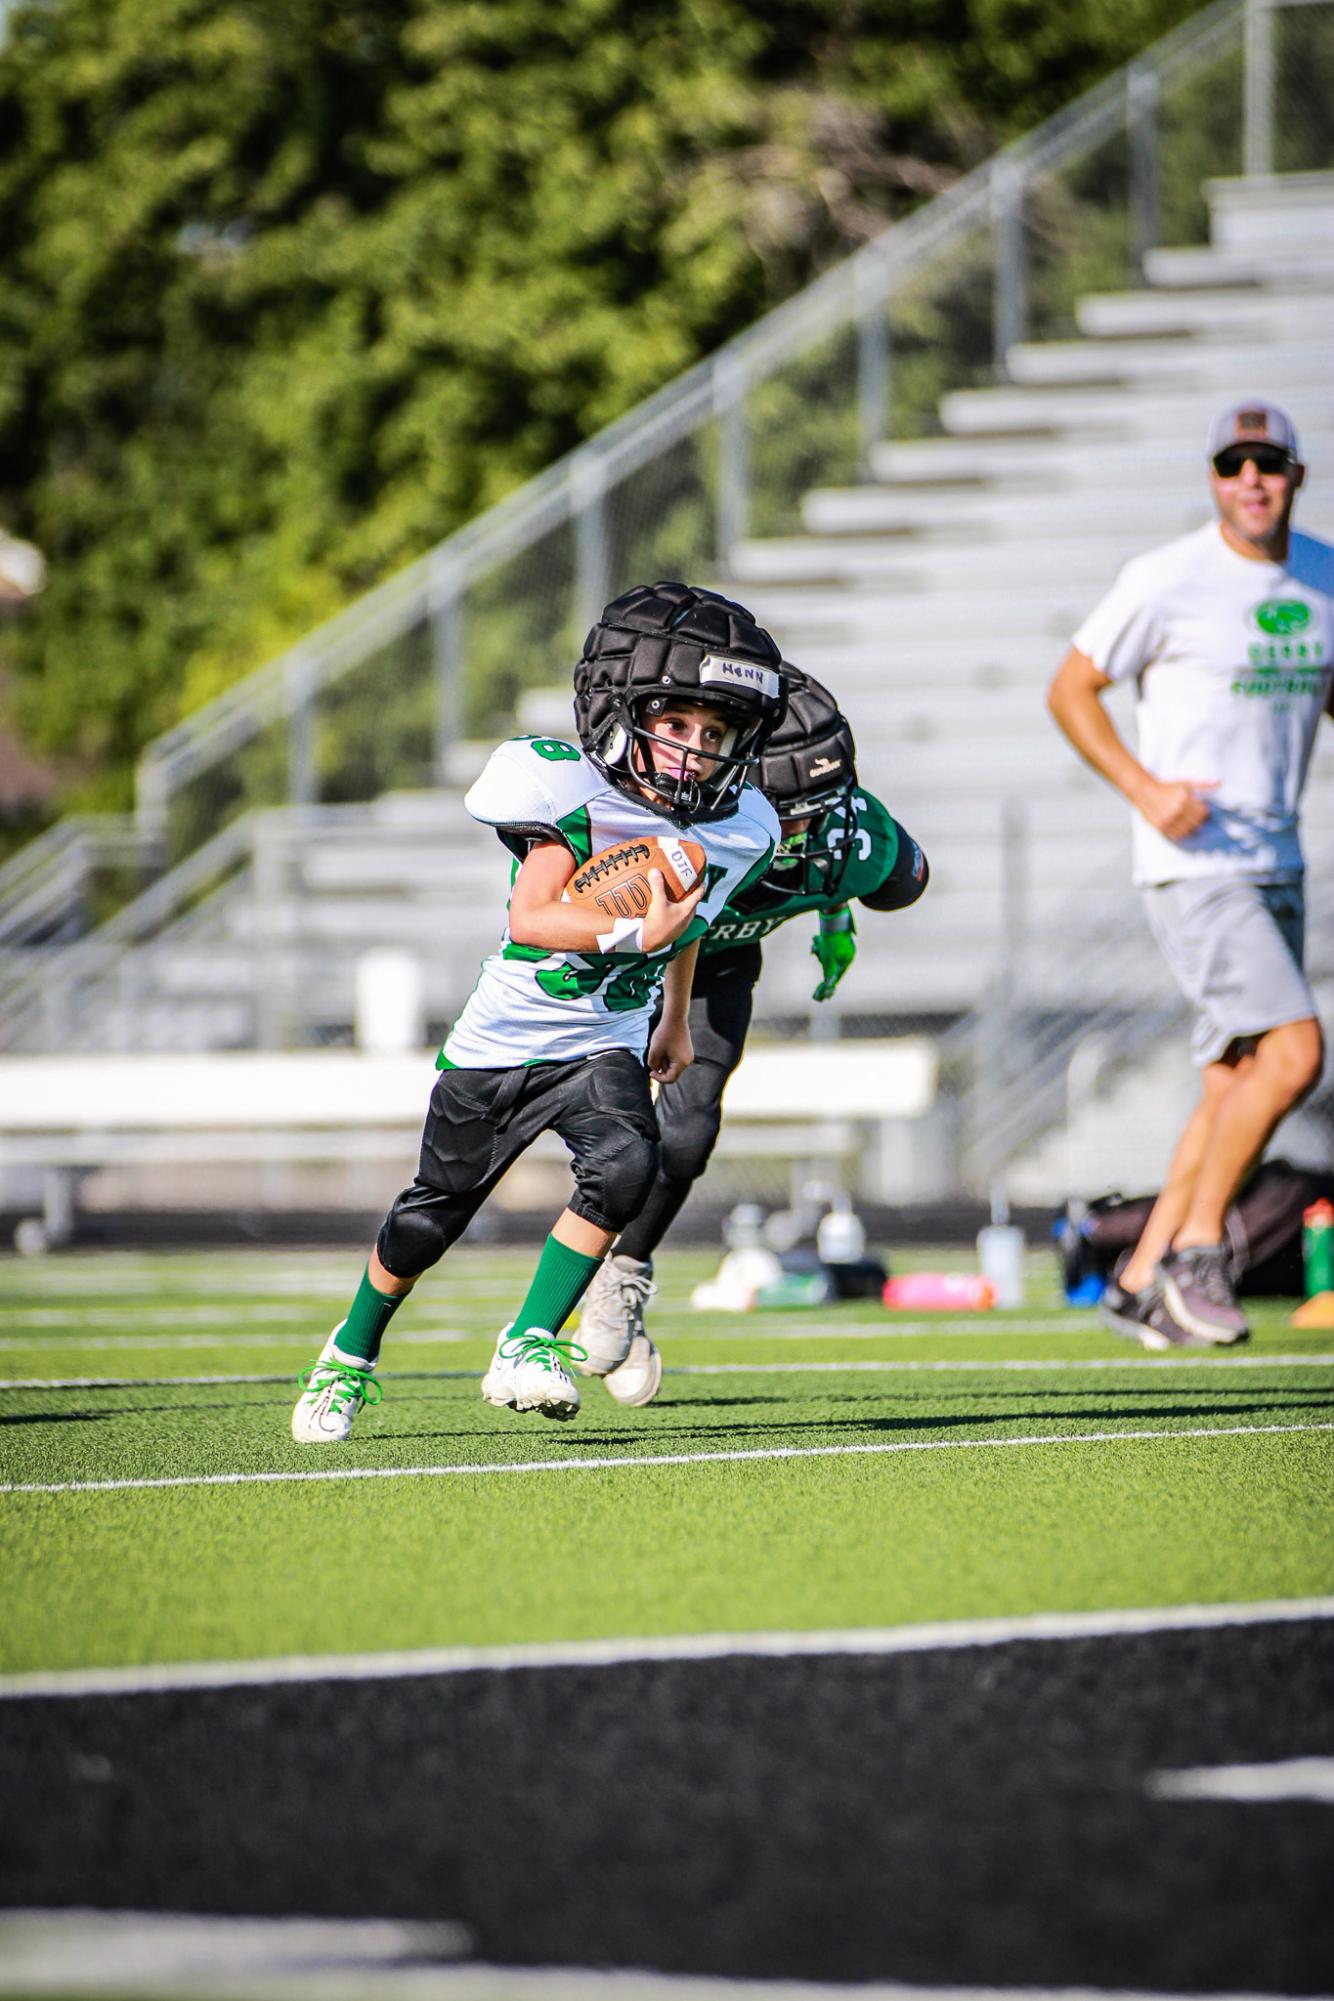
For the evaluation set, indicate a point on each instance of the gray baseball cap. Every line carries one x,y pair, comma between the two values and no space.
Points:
1253,423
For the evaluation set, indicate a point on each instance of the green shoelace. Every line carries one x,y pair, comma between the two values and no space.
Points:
349,1385
548,1349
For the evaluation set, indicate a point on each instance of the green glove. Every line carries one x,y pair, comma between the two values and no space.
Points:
835,946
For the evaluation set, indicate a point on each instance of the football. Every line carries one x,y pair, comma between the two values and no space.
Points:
616,881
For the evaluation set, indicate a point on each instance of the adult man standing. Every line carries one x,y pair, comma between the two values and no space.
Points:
1229,635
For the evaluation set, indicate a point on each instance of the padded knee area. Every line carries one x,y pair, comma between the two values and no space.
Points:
418,1230
614,1186
688,1141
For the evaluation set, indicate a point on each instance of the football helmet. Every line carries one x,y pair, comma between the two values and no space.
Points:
669,642
808,771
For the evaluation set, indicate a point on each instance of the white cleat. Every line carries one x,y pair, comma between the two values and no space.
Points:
613,1312
332,1392
639,1377
527,1373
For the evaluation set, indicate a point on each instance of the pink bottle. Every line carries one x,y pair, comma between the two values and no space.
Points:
932,1290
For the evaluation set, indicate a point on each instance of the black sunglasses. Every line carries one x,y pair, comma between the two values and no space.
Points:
1265,458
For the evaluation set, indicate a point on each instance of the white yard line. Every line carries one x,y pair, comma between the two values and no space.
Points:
808,1331
626,1463
1041,1364
1251,1785
412,1337
1203,1359
618,1652
81,1952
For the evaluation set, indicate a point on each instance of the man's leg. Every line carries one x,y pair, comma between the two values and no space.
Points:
1195,1272
1286,1066
1169,1211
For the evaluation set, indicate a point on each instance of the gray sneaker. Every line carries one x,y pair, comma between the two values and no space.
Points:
1144,1317
612,1319
1197,1287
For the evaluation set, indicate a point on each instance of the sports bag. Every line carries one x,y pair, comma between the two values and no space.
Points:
1263,1230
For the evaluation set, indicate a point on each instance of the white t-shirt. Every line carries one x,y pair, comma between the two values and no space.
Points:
1232,661
534,1006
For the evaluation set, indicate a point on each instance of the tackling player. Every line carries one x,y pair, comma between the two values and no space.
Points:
676,695
838,843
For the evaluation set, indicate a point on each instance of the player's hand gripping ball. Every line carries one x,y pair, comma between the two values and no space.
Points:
616,881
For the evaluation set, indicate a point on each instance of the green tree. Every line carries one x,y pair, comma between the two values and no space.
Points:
291,288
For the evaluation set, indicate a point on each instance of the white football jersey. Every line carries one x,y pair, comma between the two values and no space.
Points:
534,1006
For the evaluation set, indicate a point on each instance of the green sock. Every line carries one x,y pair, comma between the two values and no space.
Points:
559,1283
369,1314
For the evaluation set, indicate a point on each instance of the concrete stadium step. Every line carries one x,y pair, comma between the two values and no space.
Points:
1245,313
1020,464
1183,412
1262,211
1199,266
808,616
1163,506
1017,562
1190,359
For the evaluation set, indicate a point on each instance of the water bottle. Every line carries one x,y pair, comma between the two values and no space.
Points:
1000,1252
841,1237
1318,1247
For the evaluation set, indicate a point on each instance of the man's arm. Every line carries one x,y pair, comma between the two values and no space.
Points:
670,1049
1173,806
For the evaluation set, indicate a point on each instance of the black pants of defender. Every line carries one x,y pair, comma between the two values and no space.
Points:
480,1121
690,1112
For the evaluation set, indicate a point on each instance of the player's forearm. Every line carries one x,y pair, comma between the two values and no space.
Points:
560,927
677,984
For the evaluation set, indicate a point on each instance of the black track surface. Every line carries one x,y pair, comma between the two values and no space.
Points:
973,1815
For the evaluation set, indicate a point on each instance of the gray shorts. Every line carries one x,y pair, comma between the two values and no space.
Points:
1234,946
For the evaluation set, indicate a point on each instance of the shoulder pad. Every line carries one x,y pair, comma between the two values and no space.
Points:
532,782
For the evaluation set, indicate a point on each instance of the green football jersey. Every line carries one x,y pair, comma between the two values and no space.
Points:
872,845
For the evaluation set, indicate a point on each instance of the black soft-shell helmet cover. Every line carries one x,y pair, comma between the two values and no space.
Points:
663,642
809,770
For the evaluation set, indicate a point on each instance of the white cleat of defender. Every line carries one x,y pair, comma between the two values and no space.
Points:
333,1390
527,1373
612,1330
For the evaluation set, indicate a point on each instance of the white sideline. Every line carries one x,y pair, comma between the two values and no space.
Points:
626,1464
1251,1785
942,1634
413,1337
84,1952
1043,1363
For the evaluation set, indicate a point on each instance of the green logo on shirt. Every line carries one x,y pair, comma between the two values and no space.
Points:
1282,616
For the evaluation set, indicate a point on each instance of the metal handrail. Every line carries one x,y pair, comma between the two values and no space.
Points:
854,289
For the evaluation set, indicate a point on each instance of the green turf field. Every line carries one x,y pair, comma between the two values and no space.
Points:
842,1467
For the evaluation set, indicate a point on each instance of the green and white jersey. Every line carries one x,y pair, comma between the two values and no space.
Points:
534,1006
873,851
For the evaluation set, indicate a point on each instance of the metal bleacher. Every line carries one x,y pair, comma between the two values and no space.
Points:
935,586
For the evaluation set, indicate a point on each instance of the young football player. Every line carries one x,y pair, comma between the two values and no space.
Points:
676,695
838,843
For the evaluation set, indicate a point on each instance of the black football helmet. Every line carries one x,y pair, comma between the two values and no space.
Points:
666,642
808,771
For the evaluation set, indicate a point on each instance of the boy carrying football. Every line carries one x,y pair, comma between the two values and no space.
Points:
676,696
838,842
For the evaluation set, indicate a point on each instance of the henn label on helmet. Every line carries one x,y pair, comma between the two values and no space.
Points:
716,667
